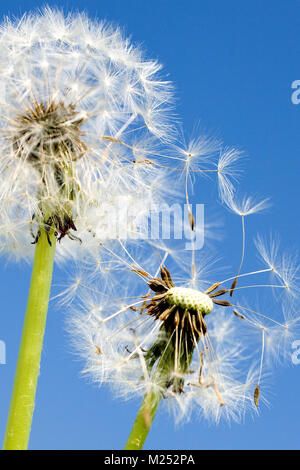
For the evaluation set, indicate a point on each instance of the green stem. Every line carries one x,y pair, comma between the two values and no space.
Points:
28,365
143,421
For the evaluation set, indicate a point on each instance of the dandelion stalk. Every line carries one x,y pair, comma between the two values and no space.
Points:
143,421
28,366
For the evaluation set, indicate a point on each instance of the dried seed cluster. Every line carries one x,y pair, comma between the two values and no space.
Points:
49,133
181,311
48,137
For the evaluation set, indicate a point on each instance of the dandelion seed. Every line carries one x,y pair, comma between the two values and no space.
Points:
228,172
239,315
246,206
282,265
191,220
256,395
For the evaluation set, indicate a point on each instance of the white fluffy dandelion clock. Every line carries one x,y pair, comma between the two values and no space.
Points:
79,107
71,89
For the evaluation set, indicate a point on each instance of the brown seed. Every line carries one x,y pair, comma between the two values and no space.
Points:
168,274
159,296
256,395
233,285
162,273
98,350
224,303
239,315
144,160
157,285
191,220
166,277
111,139
145,296
166,313
135,309
219,292
212,288
140,272
151,309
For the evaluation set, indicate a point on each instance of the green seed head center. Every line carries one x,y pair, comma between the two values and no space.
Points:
190,299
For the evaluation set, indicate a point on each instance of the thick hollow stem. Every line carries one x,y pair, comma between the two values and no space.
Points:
28,365
143,421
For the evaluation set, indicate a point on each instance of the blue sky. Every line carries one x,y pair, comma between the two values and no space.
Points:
233,64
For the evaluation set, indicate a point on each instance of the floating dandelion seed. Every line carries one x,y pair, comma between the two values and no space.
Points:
243,208
228,172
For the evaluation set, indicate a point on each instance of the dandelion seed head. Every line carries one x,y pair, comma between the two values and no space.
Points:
75,99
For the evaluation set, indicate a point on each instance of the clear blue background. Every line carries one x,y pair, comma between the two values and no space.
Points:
233,64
